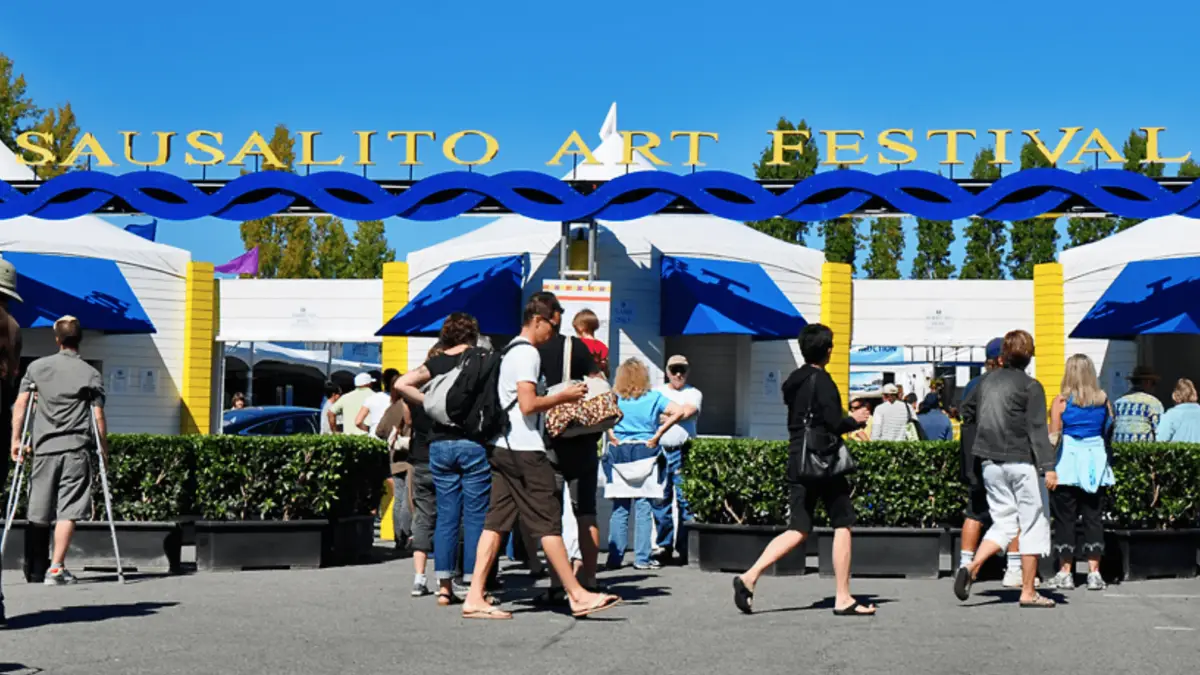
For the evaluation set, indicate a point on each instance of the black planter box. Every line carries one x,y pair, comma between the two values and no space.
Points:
283,544
1155,554
735,548
348,541
146,547
912,553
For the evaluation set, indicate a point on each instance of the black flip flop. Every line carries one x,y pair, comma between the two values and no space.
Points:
962,584
852,610
742,597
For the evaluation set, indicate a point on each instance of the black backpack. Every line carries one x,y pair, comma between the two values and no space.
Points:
473,401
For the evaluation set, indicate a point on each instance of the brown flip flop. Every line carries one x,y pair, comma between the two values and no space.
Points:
605,602
493,613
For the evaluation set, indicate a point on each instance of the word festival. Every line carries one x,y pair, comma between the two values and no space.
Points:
843,147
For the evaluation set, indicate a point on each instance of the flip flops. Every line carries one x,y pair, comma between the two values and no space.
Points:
601,604
962,584
852,610
1042,602
489,613
743,597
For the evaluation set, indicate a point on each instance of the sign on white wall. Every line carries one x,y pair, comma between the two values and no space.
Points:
575,295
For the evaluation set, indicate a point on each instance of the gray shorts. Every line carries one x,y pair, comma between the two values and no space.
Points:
61,487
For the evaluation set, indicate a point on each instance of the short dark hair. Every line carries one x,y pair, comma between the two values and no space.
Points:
816,341
459,328
539,305
910,398
586,320
389,378
332,389
68,332
1018,349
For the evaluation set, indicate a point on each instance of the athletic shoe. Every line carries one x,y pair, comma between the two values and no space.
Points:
1063,581
1012,579
1095,582
420,589
59,577
652,565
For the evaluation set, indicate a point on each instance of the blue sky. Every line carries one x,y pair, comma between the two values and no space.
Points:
531,72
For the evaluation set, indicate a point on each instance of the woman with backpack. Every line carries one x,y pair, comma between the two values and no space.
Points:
461,473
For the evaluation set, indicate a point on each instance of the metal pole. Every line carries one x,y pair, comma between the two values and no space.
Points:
563,241
112,528
14,499
250,379
329,359
593,229
219,415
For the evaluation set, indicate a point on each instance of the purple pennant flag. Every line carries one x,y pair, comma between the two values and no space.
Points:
246,263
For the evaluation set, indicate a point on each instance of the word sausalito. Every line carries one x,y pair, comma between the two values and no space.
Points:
841,147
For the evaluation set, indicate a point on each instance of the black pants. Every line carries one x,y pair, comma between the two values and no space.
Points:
1066,503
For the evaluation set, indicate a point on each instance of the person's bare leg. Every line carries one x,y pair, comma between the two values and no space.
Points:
1068,565
972,532
780,546
589,550
63,531
556,556
841,571
485,556
1093,564
986,550
1029,568
420,559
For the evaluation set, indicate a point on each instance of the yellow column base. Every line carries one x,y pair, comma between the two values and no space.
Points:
387,530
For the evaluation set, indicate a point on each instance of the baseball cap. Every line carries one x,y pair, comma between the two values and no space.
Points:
890,389
363,379
8,280
677,360
994,348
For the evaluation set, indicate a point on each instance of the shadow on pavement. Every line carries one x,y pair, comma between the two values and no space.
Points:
828,603
85,614
1013,596
18,669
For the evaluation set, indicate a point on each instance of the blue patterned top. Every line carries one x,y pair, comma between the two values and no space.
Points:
1137,417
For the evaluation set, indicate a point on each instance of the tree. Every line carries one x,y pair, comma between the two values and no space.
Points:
15,107
1189,169
269,234
1035,240
886,249
370,251
985,237
800,164
60,125
1135,152
296,258
333,248
934,238
842,240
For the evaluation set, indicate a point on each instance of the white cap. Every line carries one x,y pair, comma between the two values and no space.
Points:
363,380
890,389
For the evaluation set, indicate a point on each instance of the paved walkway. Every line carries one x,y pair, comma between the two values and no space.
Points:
362,620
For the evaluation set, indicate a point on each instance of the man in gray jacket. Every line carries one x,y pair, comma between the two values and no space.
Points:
1013,441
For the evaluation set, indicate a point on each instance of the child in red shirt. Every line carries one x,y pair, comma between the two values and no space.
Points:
586,323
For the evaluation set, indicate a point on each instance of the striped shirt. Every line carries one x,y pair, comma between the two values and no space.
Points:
890,421
1137,416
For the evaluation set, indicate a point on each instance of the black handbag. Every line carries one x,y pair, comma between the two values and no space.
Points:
823,454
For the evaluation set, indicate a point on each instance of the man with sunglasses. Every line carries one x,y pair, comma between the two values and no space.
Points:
672,512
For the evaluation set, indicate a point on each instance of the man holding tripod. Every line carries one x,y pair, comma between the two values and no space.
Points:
69,392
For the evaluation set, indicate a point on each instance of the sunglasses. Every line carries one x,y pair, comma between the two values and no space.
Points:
677,370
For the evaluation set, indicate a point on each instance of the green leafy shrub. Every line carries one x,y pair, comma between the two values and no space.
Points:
916,484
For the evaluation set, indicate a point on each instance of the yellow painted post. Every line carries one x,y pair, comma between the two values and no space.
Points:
1049,327
387,531
837,312
395,297
201,305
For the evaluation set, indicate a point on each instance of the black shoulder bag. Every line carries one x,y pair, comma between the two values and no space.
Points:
823,454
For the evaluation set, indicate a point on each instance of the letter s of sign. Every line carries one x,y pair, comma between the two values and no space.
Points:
25,142
910,153
193,139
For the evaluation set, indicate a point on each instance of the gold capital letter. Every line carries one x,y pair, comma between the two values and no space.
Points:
951,142
410,144
164,148
910,153
645,149
193,140
491,147
1152,148
1068,134
1001,146
1113,156
88,145
364,148
25,142
257,145
694,144
580,148
307,141
779,144
832,147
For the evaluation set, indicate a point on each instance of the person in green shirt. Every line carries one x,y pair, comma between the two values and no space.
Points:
349,404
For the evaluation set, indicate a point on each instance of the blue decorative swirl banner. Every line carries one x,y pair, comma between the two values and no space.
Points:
634,195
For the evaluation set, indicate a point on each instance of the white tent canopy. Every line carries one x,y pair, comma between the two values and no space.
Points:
1153,239
86,236
315,358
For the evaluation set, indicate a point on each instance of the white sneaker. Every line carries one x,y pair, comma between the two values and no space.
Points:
60,577
1012,578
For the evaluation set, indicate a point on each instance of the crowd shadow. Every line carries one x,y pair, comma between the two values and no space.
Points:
18,668
1013,596
85,614
829,603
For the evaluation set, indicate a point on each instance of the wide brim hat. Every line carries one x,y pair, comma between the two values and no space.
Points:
1145,373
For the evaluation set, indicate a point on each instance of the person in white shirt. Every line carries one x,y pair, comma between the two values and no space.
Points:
523,479
332,393
376,404
671,512
891,417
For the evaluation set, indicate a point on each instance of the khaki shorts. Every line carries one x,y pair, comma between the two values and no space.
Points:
61,487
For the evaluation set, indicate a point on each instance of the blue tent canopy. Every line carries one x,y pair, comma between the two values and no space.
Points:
488,289
92,290
724,297
1148,297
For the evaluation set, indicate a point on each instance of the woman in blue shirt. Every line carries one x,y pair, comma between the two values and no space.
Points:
632,464
1082,416
1181,424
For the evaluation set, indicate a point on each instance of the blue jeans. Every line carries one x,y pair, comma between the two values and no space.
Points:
618,531
462,480
664,516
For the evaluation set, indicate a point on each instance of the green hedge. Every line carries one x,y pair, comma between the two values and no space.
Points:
241,477
916,484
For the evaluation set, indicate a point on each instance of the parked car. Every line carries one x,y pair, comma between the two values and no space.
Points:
271,420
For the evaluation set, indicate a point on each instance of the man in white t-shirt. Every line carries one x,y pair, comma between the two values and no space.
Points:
376,404
671,512
523,479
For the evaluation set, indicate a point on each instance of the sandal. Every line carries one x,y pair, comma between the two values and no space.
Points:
1042,602
489,613
852,610
743,597
602,603
446,599
554,597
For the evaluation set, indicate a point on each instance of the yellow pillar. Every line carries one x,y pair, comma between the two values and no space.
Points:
395,297
199,346
387,527
1049,327
837,312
